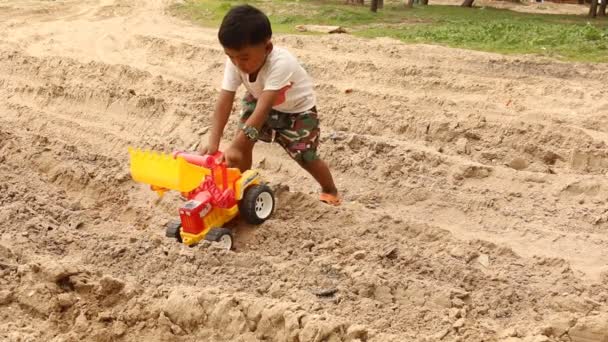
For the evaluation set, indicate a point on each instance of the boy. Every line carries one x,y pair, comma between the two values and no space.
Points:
279,106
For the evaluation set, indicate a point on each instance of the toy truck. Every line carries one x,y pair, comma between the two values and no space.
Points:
215,194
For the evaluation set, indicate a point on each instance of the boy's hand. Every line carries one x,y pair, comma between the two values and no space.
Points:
208,149
238,154
233,156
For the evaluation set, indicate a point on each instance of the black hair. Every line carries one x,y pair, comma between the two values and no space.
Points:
243,26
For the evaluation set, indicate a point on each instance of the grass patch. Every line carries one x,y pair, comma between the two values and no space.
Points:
566,37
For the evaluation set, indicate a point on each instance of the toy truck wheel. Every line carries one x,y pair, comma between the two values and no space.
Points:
223,236
173,229
257,204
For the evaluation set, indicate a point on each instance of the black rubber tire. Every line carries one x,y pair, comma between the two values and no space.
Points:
247,205
173,229
216,234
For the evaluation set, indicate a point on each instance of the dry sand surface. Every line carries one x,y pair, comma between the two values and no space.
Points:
475,187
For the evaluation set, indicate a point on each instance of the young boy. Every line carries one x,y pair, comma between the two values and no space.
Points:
280,103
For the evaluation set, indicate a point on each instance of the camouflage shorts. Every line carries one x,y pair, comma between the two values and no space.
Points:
298,133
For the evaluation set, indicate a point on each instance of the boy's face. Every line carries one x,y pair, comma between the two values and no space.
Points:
249,59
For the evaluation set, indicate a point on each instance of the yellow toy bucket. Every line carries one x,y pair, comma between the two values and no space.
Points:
163,171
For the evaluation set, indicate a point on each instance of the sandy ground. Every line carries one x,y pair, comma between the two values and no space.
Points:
475,188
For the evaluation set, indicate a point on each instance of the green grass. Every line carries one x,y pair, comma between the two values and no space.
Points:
566,37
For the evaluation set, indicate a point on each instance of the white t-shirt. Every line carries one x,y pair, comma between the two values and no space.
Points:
280,70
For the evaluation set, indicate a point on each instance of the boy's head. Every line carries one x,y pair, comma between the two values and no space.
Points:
245,35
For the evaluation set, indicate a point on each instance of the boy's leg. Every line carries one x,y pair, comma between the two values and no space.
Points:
320,171
301,142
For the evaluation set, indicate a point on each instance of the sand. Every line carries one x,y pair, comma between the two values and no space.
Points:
474,186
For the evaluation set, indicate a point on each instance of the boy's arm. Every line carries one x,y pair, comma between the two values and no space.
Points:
220,117
262,109
257,119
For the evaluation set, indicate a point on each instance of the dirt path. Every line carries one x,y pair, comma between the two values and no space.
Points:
475,189
546,7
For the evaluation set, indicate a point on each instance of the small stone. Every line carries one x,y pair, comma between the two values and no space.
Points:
262,290
509,332
262,164
358,255
326,292
164,321
121,176
66,300
308,244
75,206
6,297
483,260
119,328
357,331
518,164
460,293
157,242
5,252
441,335
217,247
592,302
276,290
330,245
462,146
176,329
454,313
205,244
458,324
105,316
109,285
457,252
551,157
601,219
81,322
457,303
395,104
57,272
391,252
